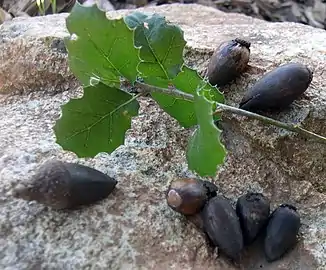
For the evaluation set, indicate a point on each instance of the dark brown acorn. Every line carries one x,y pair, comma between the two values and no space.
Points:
278,88
281,232
222,226
188,195
253,210
229,60
63,185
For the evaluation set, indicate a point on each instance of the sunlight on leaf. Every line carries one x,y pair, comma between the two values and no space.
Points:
161,44
161,51
99,47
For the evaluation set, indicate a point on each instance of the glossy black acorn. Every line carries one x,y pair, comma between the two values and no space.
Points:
278,88
253,210
281,232
229,60
63,185
222,226
188,195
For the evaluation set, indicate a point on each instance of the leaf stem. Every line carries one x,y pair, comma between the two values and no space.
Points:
145,88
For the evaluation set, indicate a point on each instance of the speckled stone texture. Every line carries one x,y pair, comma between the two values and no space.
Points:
133,228
33,56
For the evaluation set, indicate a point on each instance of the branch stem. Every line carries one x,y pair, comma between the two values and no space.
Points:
267,120
145,88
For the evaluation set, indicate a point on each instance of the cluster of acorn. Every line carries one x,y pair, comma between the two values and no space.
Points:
63,185
276,90
232,229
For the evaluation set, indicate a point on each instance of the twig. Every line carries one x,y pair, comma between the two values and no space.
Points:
267,120
145,88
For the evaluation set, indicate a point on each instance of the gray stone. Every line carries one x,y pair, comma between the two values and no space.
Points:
133,228
33,56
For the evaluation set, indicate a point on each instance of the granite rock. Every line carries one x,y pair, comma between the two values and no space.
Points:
134,228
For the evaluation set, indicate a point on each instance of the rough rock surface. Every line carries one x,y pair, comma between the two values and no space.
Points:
33,55
133,228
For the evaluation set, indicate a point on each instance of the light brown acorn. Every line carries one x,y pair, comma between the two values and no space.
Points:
63,185
189,195
229,60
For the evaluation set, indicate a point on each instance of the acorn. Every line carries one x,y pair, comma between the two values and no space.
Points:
277,89
228,61
188,195
63,185
281,232
253,210
222,226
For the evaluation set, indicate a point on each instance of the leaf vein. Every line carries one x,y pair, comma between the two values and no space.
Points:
157,59
109,114
168,50
104,55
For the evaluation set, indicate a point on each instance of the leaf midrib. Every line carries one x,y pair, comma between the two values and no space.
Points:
104,55
100,120
157,60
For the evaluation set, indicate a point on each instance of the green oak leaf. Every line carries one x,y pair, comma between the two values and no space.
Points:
205,151
100,48
97,122
161,43
183,110
159,40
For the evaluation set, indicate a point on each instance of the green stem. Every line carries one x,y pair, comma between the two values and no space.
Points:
267,120
54,6
145,88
